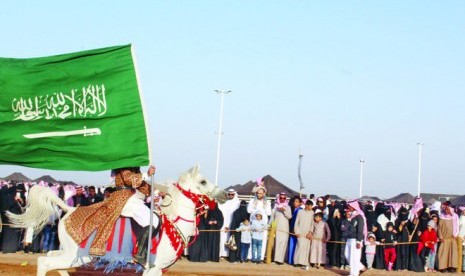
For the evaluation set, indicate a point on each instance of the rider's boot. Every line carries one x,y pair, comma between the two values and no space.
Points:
142,244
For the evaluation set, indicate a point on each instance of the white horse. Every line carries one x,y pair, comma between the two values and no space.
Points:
179,223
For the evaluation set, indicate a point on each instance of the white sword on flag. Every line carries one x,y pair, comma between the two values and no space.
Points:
85,132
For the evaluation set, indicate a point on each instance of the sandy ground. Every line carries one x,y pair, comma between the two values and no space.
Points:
25,264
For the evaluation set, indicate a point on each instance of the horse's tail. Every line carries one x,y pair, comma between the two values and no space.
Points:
41,205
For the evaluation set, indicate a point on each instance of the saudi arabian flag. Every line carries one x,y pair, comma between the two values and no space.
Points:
80,111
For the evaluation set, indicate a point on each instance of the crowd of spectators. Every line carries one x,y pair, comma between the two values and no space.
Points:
314,233
308,233
13,197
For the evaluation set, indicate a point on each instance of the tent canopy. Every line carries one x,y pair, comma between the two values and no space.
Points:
272,186
46,178
17,177
439,197
369,198
459,200
402,198
431,201
335,197
21,178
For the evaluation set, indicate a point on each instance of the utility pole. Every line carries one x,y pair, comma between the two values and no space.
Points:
420,146
220,132
299,172
362,162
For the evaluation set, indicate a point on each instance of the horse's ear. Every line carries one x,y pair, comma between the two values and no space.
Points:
194,170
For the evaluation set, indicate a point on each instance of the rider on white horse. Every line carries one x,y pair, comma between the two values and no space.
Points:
130,189
180,210
132,178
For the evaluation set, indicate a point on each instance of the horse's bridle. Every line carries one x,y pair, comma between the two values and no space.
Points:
194,197
204,199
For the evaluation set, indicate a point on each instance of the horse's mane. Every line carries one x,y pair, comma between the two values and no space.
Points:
187,176
166,183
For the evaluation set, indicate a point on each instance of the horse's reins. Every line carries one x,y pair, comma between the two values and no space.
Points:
171,201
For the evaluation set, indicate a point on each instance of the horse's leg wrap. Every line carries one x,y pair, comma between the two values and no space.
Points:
142,244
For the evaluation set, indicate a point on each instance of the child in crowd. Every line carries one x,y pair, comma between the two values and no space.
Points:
258,227
345,224
428,240
370,249
390,239
246,238
50,231
461,237
320,236
403,237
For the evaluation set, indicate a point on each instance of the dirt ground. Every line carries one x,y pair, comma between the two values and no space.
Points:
26,264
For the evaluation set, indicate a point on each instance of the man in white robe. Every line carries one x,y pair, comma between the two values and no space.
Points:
260,203
302,229
357,233
227,208
281,215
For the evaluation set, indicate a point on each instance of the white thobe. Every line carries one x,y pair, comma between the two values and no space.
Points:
282,233
253,207
353,256
227,209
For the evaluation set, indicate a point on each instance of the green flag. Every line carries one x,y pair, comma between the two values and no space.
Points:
78,111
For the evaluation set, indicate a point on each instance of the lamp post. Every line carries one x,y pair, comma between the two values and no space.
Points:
420,146
362,162
220,132
299,173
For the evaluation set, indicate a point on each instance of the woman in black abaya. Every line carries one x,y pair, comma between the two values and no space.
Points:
403,233
215,222
416,263
334,249
371,217
238,216
197,251
207,245
424,218
12,201
379,256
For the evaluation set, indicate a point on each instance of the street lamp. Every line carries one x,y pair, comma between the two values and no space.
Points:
362,162
420,146
220,132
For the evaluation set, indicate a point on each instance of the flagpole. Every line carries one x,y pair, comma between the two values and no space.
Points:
362,162
420,145
149,244
147,133
220,132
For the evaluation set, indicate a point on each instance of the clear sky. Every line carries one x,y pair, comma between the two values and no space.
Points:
340,80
